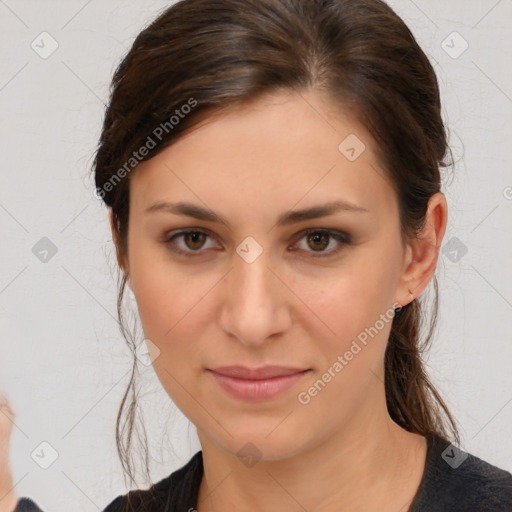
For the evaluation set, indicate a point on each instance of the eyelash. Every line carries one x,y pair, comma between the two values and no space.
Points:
340,236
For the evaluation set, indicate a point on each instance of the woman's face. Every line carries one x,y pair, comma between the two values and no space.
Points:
257,290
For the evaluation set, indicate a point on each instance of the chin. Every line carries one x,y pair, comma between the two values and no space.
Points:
251,447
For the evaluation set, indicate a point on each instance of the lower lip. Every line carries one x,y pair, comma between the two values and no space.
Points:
257,390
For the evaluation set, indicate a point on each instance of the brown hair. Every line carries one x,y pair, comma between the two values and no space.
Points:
216,55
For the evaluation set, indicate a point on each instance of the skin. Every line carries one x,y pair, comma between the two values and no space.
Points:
250,165
8,495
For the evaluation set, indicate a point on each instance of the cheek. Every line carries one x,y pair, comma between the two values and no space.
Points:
164,293
350,353
172,304
350,315
347,301
168,303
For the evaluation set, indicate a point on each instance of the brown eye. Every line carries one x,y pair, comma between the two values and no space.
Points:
193,241
317,240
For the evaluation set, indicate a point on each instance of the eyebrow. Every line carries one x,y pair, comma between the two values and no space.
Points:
286,218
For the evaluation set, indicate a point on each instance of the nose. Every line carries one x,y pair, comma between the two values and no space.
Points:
255,302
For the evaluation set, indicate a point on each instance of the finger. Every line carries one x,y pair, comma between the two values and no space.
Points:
6,410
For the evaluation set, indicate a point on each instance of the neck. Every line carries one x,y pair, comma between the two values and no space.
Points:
371,462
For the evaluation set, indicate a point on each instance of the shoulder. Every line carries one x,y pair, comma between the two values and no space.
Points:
178,491
26,505
455,480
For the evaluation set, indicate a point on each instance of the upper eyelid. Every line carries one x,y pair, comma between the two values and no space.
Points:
178,232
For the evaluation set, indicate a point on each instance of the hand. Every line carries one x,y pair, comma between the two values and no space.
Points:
8,497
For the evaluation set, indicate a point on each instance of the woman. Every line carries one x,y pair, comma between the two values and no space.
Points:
272,170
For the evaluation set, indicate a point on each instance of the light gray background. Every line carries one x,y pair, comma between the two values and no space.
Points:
63,362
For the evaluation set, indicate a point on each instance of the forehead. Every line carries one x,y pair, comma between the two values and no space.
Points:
286,146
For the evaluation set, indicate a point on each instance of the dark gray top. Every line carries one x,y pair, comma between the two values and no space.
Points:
453,481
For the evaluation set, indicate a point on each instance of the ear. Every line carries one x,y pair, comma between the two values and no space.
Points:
120,261
422,252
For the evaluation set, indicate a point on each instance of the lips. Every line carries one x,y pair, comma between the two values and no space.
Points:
265,372
257,384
